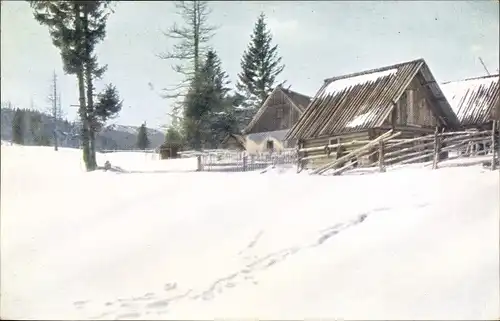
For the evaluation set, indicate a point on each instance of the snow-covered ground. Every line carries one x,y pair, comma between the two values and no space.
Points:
411,243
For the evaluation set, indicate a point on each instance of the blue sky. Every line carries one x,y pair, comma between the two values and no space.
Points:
317,40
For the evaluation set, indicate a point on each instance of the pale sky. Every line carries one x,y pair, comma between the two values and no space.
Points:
317,40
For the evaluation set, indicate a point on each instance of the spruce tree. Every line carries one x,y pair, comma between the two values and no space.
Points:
95,15
76,27
142,137
218,118
206,100
260,65
18,127
64,21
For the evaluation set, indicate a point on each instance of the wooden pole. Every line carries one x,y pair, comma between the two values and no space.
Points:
436,149
299,144
493,149
498,140
199,165
381,165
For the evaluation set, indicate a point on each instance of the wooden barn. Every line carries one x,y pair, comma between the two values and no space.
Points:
475,101
267,129
361,106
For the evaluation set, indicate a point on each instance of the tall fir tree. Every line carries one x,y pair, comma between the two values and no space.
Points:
205,101
76,27
142,137
260,66
64,21
218,118
95,15
18,127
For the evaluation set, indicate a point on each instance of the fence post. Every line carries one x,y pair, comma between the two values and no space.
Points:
199,166
437,148
381,152
245,157
298,156
493,147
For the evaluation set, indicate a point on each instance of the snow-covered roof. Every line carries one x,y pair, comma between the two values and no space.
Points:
336,86
473,99
364,100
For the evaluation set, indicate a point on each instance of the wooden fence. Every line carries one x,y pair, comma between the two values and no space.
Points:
231,161
388,150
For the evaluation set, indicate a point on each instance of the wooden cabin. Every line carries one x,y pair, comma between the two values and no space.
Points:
361,106
475,101
267,129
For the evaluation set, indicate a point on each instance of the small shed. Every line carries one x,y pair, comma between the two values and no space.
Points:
363,105
475,101
169,150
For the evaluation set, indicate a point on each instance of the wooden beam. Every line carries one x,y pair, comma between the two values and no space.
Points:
332,146
436,149
493,129
381,165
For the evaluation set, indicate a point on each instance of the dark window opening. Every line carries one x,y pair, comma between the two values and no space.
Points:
270,144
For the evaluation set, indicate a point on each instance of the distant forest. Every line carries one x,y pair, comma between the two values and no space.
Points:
35,128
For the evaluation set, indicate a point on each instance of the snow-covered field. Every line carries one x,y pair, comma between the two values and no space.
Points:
411,243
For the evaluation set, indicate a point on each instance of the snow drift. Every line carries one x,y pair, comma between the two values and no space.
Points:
408,244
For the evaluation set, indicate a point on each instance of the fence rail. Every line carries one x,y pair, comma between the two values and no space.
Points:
388,150
227,161
105,151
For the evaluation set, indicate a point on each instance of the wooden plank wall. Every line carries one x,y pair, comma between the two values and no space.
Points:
413,108
269,120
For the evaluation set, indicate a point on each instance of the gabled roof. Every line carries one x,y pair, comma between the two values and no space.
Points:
239,139
473,99
296,100
300,100
365,99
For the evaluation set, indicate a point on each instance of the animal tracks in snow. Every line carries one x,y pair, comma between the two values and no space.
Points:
329,233
158,304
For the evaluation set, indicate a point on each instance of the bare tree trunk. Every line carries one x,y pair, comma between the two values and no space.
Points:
81,91
83,117
90,93
196,36
55,116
